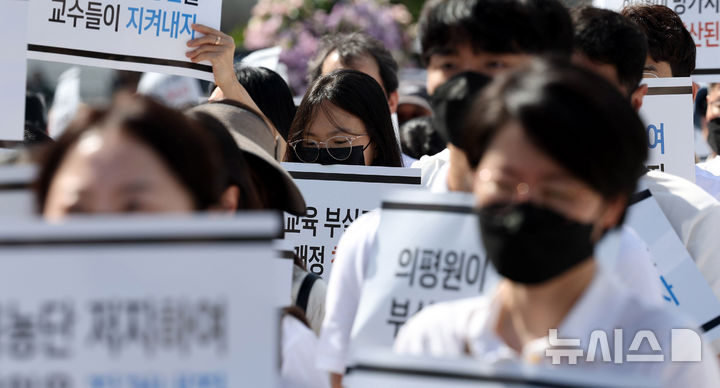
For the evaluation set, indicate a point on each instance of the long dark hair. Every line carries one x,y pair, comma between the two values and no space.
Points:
361,96
178,140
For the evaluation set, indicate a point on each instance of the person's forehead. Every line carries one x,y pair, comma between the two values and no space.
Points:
512,150
364,64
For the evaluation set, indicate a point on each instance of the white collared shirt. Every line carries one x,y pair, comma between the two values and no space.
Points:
708,181
695,217
711,165
298,348
452,329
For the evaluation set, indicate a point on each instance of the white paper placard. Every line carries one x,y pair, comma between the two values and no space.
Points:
667,112
141,301
336,196
13,68
138,35
684,287
428,250
16,196
702,20
380,368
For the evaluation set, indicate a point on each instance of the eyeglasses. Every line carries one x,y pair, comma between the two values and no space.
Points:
338,147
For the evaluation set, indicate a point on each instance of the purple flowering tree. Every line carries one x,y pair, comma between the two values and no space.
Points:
299,25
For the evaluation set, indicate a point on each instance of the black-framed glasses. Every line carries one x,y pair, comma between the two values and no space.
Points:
338,147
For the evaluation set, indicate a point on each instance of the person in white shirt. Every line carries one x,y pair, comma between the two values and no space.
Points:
449,170
299,344
671,53
693,213
544,202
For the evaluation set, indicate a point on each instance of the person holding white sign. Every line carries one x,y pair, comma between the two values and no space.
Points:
546,194
139,156
344,119
693,213
219,49
456,36
671,53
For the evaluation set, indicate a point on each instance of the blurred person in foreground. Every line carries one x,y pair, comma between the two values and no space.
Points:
546,194
693,213
138,156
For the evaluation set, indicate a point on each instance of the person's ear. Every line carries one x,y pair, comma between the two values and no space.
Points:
695,88
610,216
229,199
636,98
393,101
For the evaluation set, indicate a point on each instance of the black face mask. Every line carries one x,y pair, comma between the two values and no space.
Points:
529,244
714,135
356,158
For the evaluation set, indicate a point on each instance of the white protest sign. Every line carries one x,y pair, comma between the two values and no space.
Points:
13,68
428,250
702,20
141,302
139,35
379,368
667,112
336,196
16,197
684,286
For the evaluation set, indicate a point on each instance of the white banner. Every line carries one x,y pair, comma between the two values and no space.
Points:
378,368
141,302
139,35
428,251
701,18
336,196
13,68
667,112
16,196
684,287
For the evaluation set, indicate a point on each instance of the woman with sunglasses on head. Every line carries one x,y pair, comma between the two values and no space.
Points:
344,119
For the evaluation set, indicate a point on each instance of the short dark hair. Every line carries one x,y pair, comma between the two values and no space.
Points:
607,37
176,139
271,94
419,138
555,25
575,116
358,94
496,26
350,47
668,39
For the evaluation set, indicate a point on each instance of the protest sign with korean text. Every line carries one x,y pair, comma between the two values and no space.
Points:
138,35
667,112
702,20
336,196
141,301
13,68
684,287
428,250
